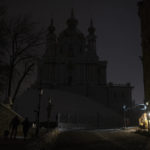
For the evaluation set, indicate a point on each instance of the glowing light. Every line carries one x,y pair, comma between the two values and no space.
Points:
143,121
41,92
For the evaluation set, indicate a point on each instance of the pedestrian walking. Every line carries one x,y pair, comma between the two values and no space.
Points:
26,126
13,127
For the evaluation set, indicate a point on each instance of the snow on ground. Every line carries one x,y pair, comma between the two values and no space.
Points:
62,102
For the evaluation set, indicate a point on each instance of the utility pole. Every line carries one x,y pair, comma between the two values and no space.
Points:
148,115
87,84
39,100
38,112
49,108
124,116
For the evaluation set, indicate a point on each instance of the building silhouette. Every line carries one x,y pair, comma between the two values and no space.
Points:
144,14
74,79
71,63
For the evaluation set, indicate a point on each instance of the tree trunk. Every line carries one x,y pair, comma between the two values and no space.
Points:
21,81
11,71
10,82
18,87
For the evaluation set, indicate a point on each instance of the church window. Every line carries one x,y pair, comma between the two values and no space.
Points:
70,66
69,80
61,50
122,95
70,51
99,71
115,95
80,49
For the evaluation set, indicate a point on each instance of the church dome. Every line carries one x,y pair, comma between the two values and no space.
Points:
71,30
51,28
72,22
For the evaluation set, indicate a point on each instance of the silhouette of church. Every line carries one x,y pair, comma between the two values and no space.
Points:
73,79
71,63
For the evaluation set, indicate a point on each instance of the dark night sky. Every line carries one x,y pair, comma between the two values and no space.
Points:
117,27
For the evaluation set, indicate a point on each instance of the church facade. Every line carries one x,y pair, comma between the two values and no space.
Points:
71,63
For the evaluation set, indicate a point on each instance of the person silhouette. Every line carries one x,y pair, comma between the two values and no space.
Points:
13,126
26,126
6,134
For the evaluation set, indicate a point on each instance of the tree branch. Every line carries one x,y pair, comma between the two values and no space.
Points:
25,73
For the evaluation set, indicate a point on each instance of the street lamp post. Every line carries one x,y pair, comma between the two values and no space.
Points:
124,115
49,108
148,115
38,112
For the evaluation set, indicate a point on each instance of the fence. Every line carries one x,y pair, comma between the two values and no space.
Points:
66,120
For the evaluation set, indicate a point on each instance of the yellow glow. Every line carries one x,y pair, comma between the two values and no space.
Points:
143,122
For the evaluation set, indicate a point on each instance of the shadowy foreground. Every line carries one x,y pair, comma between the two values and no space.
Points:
13,144
85,139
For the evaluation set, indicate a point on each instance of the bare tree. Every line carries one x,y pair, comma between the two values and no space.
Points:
22,39
4,68
2,16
